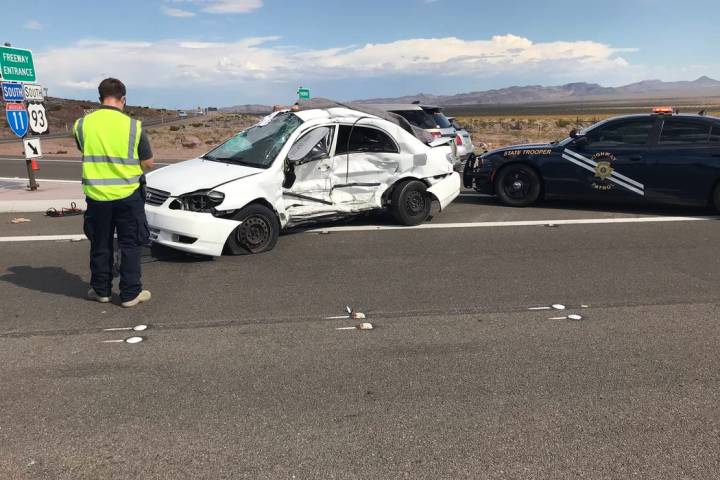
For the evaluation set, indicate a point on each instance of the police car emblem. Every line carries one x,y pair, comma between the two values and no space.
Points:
603,171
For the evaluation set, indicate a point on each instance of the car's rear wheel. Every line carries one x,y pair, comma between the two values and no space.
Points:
257,233
411,203
518,185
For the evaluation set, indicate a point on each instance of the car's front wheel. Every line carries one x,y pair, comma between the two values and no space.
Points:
257,233
518,185
411,203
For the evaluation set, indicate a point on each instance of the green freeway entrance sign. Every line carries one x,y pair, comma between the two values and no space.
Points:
16,65
304,93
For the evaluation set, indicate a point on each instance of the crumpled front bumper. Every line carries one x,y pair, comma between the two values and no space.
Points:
192,232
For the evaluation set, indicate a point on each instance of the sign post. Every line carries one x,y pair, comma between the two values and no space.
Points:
17,72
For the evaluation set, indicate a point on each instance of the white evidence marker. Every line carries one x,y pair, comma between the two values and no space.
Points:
130,340
136,328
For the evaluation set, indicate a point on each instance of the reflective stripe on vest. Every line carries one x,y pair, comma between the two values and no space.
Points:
111,167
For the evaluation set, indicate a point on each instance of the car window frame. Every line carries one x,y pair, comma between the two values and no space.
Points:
331,151
373,127
695,121
652,139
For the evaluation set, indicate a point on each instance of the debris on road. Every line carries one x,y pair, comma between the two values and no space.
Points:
136,328
20,220
64,212
361,326
130,340
558,306
351,315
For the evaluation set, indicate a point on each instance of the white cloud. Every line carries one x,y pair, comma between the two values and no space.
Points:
257,61
215,6
34,25
232,6
177,12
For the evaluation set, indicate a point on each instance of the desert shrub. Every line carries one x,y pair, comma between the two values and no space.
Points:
55,108
563,123
174,128
197,125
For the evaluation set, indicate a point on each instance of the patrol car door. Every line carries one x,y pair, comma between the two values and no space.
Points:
684,163
612,158
307,168
365,158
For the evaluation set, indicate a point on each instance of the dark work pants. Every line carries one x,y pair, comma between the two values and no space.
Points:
125,217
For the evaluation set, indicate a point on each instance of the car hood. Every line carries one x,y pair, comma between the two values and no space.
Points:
197,174
530,146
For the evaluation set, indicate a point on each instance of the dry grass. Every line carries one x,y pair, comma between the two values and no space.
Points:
210,130
490,132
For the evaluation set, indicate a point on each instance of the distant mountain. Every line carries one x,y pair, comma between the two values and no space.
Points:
703,86
249,109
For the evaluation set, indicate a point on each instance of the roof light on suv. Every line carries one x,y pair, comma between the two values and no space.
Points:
663,110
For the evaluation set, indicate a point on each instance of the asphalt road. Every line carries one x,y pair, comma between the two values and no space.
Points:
243,375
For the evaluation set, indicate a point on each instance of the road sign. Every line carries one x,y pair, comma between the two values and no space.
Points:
17,118
13,92
303,93
16,65
37,118
33,92
32,148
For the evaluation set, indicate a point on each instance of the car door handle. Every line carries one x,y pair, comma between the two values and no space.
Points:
636,158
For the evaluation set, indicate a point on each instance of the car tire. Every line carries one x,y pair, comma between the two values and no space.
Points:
518,185
257,233
410,203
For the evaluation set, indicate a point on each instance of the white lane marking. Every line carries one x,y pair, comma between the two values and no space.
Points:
40,180
429,226
43,238
57,160
520,223
539,308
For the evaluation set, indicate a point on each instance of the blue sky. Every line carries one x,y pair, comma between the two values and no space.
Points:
181,53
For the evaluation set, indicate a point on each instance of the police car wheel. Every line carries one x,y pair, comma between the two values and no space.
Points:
257,233
518,185
410,203
716,198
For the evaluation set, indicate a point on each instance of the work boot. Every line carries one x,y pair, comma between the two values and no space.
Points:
92,295
144,296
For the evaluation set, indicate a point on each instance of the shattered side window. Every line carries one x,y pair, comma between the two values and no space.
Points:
364,139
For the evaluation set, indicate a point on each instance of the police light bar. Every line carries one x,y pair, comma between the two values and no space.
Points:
664,110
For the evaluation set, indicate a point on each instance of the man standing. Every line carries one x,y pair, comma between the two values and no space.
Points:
115,152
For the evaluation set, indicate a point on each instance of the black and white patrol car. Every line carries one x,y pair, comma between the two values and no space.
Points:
660,157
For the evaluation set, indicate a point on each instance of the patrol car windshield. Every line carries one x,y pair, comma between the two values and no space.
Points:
258,145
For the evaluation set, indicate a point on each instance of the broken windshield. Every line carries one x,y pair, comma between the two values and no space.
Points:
258,145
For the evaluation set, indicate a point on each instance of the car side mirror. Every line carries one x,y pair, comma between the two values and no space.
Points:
304,149
580,141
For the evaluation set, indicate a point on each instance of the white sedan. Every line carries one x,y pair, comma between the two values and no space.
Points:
294,168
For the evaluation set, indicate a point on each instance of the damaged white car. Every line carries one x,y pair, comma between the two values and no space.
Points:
326,161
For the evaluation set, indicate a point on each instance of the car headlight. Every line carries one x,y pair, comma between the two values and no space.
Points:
201,201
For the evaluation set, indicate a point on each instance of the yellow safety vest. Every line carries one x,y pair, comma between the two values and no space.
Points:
109,141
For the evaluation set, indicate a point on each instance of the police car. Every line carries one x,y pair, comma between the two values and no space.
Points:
662,157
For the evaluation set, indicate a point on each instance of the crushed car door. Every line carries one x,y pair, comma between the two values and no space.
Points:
308,167
365,159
